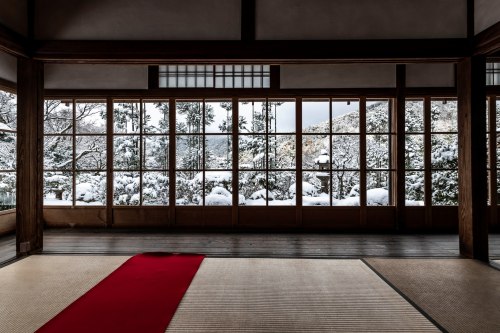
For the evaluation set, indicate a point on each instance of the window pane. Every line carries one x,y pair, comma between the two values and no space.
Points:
279,184
414,151
155,117
91,117
58,153
8,111
444,151
58,117
252,188
281,116
345,116
218,117
7,190
414,188
91,152
57,188
253,116
126,152
189,117
126,187
377,116
315,150
315,189
126,116
155,152
345,188
218,152
155,188
345,152
444,116
445,188
414,116
90,188
377,188
315,116
281,151
252,152
218,188
189,152
498,114
377,152
8,155
189,188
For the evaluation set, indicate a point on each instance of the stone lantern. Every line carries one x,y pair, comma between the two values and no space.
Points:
323,163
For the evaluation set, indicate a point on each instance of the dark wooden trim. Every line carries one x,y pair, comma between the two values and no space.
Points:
29,220
441,92
248,20
13,43
153,77
473,225
275,77
235,156
427,162
298,159
260,51
171,161
109,161
8,86
362,161
224,93
487,42
399,187
493,90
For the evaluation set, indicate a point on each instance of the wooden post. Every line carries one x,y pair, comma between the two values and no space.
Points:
472,192
29,203
399,125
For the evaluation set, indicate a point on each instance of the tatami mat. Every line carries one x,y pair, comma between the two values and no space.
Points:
293,295
461,295
35,289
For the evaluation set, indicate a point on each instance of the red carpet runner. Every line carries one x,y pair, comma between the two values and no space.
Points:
142,296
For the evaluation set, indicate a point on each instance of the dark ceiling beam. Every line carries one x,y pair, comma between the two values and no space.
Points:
487,42
274,52
247,20
470,19
13,43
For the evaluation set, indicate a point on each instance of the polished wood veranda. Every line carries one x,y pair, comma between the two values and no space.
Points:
279,245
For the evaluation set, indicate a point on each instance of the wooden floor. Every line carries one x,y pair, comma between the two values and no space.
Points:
277,245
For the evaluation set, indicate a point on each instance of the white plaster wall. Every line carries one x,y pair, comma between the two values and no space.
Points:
338,76
430,75
69,76
361,19
486,14
137,20
8,67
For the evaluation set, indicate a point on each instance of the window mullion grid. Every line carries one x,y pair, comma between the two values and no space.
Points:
493,134
427,157
330,138
73,165
203,166
267,148
141,150
362,158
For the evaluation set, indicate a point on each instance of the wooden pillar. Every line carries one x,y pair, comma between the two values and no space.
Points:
472,192
399,149
29,157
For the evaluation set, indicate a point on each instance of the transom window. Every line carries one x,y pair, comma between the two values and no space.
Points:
214,76
493,73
